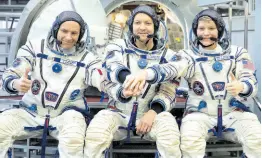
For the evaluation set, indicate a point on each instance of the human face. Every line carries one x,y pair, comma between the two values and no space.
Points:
143,26
68,34
207,29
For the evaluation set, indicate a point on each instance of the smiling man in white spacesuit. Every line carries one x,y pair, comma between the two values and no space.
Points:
220,78
146,114
61,68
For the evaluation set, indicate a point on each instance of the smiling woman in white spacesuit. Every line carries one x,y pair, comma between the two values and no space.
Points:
147,113
61,68
220,78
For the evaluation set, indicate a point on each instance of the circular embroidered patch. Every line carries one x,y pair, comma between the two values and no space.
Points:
142,63
57,68
217,66
16,62
176,58
74,94
35,88
198,88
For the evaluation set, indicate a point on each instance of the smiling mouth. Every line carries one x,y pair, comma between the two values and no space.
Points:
143,33
206,39
67,42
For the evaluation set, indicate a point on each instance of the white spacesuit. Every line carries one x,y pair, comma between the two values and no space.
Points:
124,113
55,102
210,108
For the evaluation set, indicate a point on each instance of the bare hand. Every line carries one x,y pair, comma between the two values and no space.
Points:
23,84
145,124
234,87
127,93
136,81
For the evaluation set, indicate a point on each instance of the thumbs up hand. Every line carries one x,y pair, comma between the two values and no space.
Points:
234,87
23,84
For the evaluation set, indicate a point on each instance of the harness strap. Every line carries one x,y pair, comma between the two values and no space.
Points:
131,126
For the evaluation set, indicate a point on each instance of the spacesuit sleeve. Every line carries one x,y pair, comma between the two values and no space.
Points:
165,96
114,90
94,73
25,60
180,65
113,64
245,72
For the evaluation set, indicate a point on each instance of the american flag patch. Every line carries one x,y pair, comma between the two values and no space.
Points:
248,65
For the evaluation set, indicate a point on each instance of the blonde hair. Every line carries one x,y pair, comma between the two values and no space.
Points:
205,18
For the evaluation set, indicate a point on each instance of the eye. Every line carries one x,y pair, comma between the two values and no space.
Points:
64,31
74,33
137,22
201,28
148,23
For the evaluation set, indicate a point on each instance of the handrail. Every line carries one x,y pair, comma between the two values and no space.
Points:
6,34
10,14
4,55
12,6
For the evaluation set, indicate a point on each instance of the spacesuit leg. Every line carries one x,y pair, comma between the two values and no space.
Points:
101,131
70,132
166,134
247,132
194,134
12,123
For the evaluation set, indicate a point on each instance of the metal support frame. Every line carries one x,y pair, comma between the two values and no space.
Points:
230,21
121,148
246,25
11,7
8,34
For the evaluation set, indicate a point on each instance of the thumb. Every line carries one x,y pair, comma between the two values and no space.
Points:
26,73
232,76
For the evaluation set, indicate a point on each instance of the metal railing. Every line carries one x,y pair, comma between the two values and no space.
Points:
9,16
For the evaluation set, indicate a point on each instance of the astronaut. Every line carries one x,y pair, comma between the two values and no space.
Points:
147,113
220,77
53,74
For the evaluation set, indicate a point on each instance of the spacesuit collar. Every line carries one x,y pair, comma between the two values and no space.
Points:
66,51
217,51
155,50
55,48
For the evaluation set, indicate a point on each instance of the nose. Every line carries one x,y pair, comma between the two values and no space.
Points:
68,36
206,32
142,26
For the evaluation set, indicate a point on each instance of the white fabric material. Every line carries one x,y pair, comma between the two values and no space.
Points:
246,88
119,60
70,132
195,126
202,72
218,49
213,76
10,85
150,74
56,84
104,128
71,125
204,83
